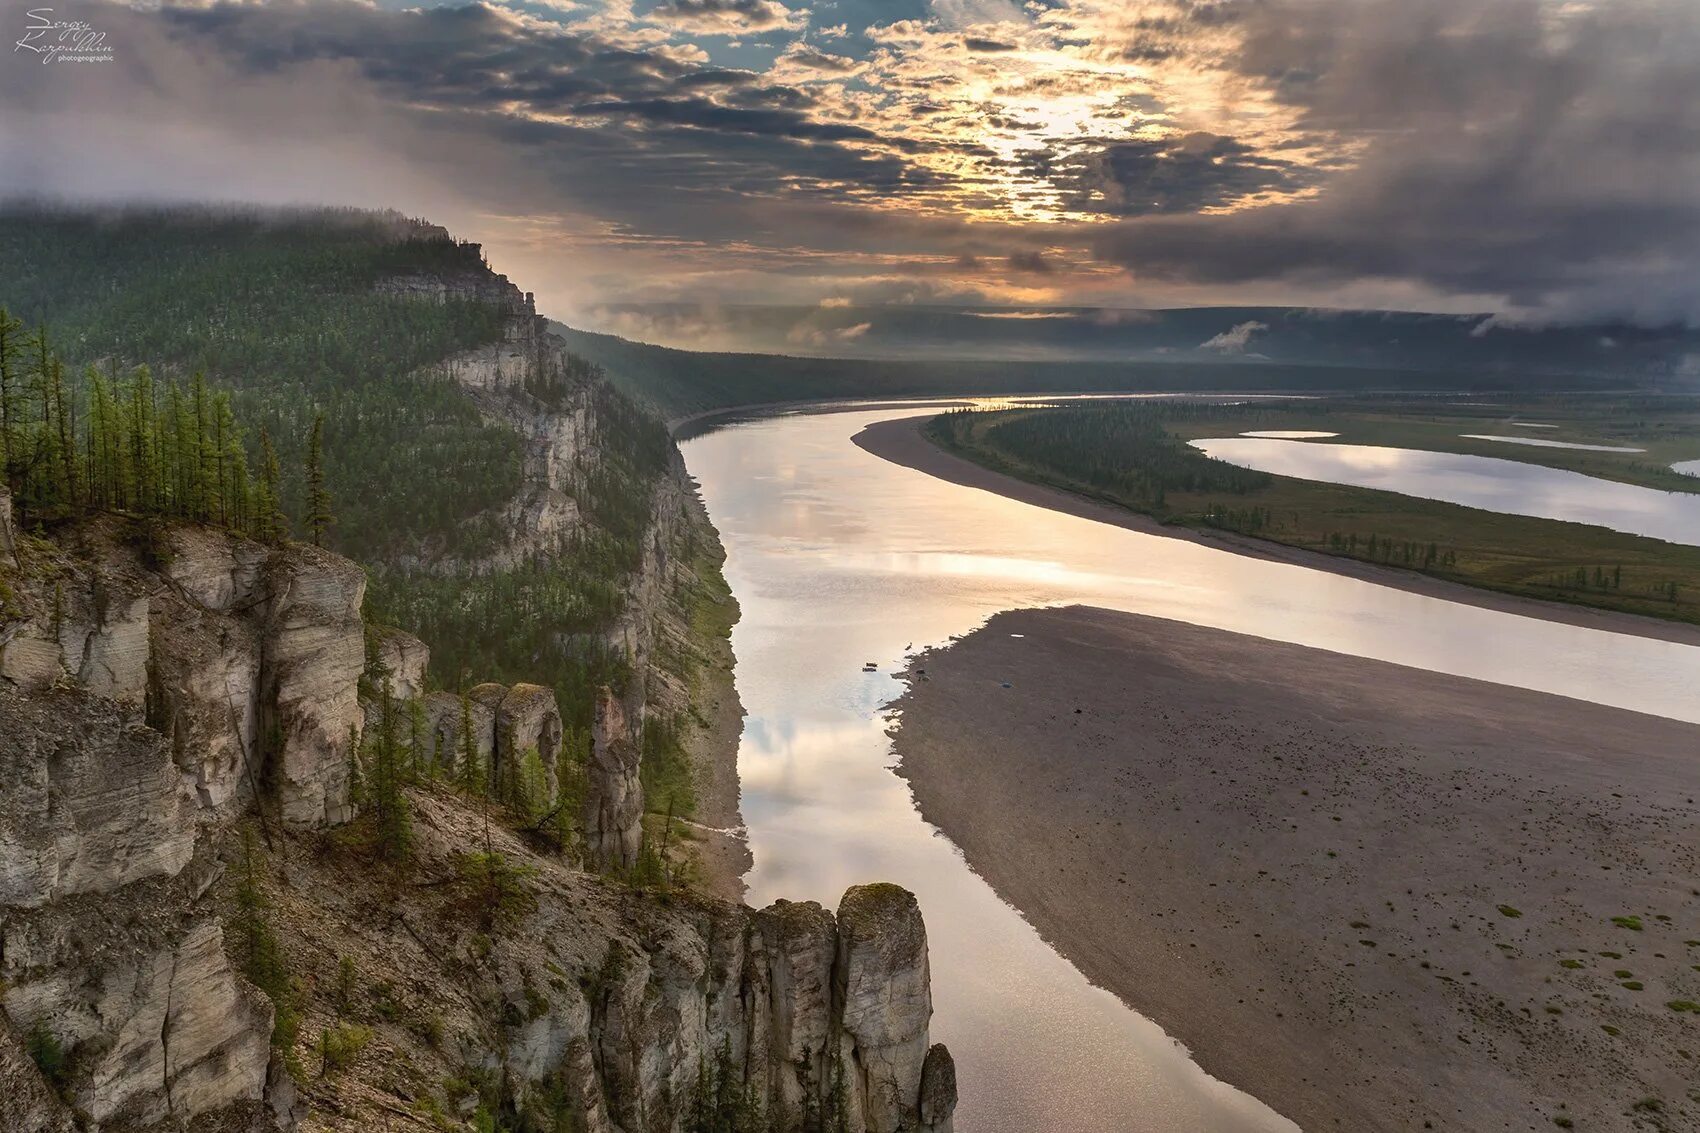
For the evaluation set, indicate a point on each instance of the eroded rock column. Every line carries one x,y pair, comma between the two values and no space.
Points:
885,995
613,809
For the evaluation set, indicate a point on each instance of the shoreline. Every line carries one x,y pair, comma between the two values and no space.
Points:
1373,897
900,441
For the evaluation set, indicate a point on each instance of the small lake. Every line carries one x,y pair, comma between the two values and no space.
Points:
1535,442
1289,434
1508,486
838,557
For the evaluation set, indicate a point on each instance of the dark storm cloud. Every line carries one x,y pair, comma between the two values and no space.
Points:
1181,174
987,46
1511,149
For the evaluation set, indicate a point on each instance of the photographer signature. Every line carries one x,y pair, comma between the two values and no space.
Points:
62,41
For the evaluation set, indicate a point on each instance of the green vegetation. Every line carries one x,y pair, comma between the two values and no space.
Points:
1666,427
329,334
288,312
1136,455
69,446
47,1052
340,1045
257,949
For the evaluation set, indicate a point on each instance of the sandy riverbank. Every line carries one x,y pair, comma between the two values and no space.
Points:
901,442
1374,897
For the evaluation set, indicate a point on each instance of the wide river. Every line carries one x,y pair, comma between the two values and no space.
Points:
839,557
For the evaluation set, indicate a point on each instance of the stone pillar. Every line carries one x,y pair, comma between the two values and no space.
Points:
613,807
885,997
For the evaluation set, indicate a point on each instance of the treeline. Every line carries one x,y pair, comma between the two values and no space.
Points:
1121,450
71,444
287,312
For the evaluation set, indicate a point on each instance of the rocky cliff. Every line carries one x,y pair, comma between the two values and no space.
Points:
579,435
163,689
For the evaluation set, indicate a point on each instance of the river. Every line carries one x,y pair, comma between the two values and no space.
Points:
838,557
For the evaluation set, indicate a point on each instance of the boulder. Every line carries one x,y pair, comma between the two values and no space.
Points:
938,1090
528,718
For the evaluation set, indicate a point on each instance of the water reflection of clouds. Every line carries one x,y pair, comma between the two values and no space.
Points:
1508,486
847,558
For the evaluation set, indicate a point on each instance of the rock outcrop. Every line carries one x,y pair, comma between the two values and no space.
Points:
313,650
613,805
602,1009
154,685
884,991
506,724
399,658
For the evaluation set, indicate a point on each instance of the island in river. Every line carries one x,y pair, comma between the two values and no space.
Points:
1374,897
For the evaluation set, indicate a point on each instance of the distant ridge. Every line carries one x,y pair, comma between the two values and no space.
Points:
683,382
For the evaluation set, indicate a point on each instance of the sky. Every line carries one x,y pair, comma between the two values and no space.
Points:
1537,159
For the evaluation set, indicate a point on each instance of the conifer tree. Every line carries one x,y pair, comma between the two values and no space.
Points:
388,798
471,767
319,516
269,521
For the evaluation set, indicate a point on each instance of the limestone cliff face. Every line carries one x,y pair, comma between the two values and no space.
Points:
151,689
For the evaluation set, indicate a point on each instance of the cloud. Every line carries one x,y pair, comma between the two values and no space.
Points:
1540,154
1183,173
802,62
729,17
1235,340
1538,159
973,13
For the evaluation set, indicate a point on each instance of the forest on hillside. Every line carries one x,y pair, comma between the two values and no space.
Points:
284,321
283,311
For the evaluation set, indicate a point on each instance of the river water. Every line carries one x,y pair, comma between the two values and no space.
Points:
839,558
1475,481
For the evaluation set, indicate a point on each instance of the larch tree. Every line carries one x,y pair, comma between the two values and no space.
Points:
319,518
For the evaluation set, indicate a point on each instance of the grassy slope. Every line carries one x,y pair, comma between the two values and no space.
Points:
1514,554
681,382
